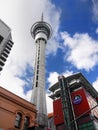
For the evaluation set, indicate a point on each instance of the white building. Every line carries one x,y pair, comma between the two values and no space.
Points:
5,43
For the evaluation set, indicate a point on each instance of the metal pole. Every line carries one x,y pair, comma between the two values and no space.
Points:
67,104
75,122
83,114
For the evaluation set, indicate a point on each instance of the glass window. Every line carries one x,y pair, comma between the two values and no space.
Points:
18,120
1,38
26,122
38,62
36,84
37,71
37,77
37,66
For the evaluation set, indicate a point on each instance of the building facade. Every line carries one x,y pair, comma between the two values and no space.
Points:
41,32
75,106
15,112
51,125
6,43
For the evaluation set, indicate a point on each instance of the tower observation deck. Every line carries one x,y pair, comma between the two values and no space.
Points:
41,32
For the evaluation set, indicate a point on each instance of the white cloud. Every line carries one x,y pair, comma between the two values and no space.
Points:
67,73
20,16
83,50
97,30
12,83
95,10
52,47
95,84
52,79
53,76
49,102
28,95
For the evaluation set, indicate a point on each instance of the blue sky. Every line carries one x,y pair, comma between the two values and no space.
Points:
73,47
77,17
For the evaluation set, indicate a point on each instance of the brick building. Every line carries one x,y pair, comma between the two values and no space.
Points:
15,112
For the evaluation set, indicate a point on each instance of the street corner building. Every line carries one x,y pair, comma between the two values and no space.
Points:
15,112
6,43
74,103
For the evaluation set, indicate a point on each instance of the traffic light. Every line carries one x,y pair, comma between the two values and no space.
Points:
5,52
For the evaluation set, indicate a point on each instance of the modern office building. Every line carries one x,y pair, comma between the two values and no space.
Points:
6,43
15,112
74,103
41,32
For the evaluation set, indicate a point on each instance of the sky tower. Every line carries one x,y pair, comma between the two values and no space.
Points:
41,32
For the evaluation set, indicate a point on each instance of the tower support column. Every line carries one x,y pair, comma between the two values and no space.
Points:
41,32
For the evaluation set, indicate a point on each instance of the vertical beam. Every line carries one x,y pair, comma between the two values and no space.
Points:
67,105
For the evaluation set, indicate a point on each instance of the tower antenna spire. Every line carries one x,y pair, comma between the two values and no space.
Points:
42,17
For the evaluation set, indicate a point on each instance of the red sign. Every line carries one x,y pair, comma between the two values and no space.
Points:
81,104
58,112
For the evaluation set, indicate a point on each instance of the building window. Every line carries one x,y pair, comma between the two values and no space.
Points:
26,122
1,38
18,120
38,62
37,71
36,84
37,66
37,77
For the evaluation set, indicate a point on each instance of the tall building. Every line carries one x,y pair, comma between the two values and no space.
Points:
74,103
41,32
5,43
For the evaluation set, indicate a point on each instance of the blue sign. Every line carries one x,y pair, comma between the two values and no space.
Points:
77,99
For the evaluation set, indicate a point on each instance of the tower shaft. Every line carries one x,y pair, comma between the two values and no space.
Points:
41,32
38,93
